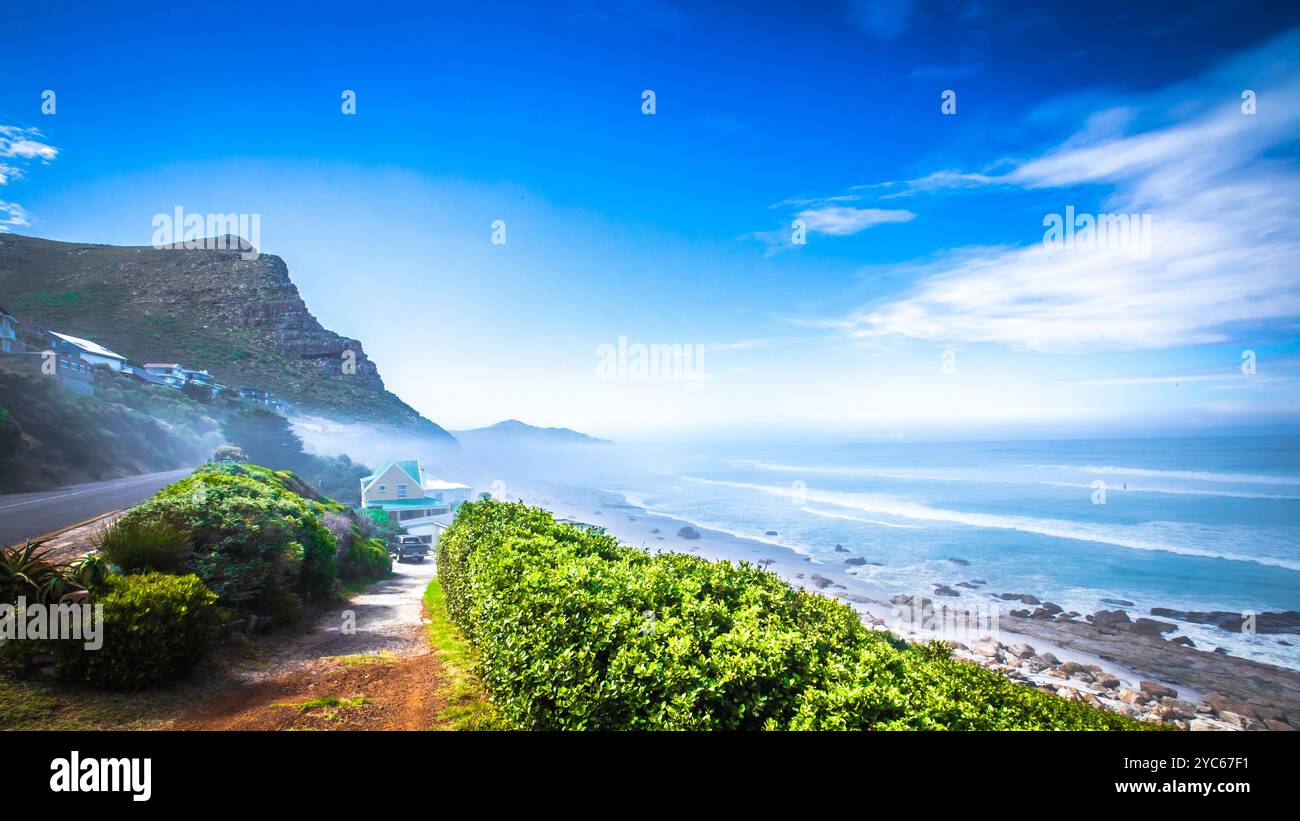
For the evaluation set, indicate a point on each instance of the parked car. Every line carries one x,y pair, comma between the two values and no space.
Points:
408,547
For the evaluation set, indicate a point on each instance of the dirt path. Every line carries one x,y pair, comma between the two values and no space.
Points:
364,666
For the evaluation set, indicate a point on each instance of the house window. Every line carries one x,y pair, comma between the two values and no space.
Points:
401,491
383,488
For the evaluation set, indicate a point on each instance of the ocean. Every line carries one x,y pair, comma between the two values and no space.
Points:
1193,524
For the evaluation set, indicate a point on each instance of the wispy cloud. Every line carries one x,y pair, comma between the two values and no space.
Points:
1224,202
23,146
843,221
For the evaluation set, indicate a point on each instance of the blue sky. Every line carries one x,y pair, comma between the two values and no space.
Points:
924,230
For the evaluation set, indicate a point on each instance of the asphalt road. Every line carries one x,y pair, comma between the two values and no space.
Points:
25,515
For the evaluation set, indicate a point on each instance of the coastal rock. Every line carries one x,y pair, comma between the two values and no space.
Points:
1155,690
962,562
820,581
1021,651
656,530
1235,720
1109,618
1177,708
771,533
1023,598
1132,696
1183,640
944,590
1207,725
966,585
855,562
1118,602
1152,627
1278,726
1050,658
1051,608
1286,621
1108,680
1020,614
688,532
839,548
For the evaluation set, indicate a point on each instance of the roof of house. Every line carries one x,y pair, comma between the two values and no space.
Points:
408,466
433,483
88,346
167,365
388,504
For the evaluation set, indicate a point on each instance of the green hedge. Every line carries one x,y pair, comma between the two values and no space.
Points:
155,627
578,632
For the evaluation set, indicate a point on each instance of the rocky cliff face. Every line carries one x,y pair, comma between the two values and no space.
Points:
243,320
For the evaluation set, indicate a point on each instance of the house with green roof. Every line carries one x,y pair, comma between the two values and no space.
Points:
413,498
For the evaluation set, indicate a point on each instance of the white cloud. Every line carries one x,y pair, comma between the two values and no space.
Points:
12,215
25,144
1224,253
843,221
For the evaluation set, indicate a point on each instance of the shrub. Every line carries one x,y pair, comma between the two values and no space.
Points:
228,453
257,544
359,557
576,631
139,544
25,571
156,627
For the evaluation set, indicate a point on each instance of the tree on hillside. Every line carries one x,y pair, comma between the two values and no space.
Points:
265,437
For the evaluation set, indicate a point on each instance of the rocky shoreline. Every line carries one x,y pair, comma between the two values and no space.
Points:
1188,688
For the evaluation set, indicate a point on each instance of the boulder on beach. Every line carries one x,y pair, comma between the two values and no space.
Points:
820,581
688,532
1155,690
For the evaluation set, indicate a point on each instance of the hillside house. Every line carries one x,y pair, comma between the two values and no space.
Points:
9,333
413,498
89,352
264,398
166,373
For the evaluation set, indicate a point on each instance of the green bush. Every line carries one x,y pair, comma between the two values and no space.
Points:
256,543
359,557
138,544
578,632
155,627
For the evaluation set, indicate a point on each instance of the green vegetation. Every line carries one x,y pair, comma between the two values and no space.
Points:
468,706
576,631
124,428
139,545
156,627
260,546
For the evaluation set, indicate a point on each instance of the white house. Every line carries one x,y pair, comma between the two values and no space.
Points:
413,498
170,373
89,352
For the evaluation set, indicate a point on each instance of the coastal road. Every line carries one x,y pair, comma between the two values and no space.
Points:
26,515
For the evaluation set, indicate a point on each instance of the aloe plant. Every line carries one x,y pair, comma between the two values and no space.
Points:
25,571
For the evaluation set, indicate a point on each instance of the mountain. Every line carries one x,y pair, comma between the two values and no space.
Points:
242,320
514,432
